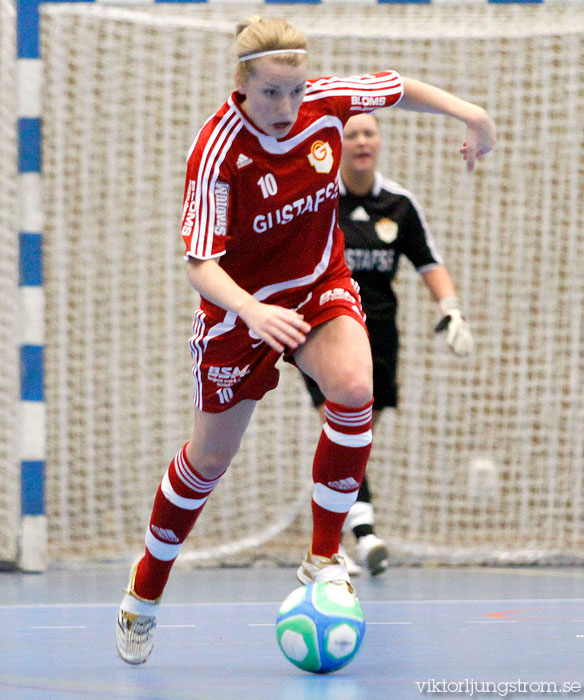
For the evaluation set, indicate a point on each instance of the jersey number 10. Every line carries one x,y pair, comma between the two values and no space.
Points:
268,185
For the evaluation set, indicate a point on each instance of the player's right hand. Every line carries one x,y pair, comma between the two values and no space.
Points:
279,327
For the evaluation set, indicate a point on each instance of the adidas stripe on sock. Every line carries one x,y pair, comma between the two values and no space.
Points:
338,470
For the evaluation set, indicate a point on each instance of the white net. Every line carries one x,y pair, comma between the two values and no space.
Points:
9,475
483,461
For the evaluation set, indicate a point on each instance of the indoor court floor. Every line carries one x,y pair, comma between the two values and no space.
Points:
431,632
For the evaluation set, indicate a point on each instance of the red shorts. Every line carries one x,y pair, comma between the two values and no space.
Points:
230,365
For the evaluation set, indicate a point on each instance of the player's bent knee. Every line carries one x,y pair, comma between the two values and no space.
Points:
350,390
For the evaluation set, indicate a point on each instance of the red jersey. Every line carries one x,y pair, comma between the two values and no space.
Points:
266,208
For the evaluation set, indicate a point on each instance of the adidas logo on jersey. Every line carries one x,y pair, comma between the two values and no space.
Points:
164,534
348,484
242,161
359,214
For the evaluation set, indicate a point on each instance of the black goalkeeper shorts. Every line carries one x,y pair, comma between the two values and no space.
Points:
384,349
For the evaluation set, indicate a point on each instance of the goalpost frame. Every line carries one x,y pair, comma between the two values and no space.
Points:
33,537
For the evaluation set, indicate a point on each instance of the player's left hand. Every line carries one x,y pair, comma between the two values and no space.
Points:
480,138
458,336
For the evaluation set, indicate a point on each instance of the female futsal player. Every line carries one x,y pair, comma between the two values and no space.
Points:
265,253
382,221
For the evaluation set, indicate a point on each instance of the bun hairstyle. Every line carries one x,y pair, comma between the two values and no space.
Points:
257,34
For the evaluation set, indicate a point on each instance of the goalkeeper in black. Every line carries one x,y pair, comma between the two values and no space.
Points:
382,221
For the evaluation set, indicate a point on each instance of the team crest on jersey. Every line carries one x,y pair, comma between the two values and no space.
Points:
321,156
386,229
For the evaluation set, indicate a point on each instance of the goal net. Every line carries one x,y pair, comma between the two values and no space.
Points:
9,476
483,460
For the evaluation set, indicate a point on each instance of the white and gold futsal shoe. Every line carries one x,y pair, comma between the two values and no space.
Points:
136,625
317,569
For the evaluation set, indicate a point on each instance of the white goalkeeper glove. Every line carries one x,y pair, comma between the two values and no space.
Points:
458,337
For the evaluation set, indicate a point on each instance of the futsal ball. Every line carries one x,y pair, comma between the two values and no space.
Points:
320,627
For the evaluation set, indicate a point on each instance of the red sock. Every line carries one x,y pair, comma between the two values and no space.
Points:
179,501
338,470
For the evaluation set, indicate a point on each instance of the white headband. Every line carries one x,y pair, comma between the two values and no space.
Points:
259,54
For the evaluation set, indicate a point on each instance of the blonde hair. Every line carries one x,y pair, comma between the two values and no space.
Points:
257,34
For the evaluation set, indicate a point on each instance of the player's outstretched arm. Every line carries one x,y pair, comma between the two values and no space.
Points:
480,128
278,326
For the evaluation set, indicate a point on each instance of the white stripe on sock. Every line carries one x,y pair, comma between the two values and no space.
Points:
349,418
347,440
334,501
161,550
180,501
190,479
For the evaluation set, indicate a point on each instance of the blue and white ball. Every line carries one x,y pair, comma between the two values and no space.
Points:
320,627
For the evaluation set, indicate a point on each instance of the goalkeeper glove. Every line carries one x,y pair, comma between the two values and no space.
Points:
458,337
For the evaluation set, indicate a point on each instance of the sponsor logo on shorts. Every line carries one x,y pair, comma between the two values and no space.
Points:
336,294
340,294
227,376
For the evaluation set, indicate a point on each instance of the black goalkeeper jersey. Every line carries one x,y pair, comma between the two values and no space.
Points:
379,228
